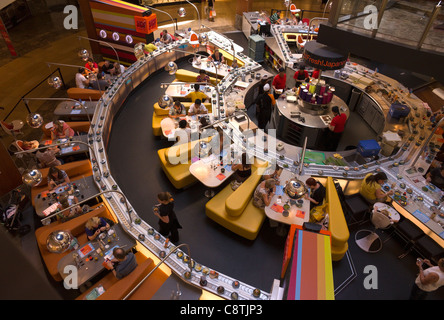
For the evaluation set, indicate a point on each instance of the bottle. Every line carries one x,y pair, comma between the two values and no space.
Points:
167,241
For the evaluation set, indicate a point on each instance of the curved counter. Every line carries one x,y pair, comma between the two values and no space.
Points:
289,157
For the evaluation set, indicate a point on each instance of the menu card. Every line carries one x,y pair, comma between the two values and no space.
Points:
221,176
300,214
277,208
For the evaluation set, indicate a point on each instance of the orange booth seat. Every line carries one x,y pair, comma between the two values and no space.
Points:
76,227
74,170
77,126
84,94
118,289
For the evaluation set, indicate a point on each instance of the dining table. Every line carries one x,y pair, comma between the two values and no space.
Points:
46,201
285,209
89,258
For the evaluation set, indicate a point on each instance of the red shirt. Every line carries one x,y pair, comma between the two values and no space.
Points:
296,75
315,74
87,66
280,82
339,122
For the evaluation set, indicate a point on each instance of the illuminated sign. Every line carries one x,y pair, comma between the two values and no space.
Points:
322,57
146,25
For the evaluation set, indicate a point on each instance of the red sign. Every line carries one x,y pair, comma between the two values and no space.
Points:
146,25
8,41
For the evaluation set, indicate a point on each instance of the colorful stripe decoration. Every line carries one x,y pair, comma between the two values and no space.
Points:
122,25
311,275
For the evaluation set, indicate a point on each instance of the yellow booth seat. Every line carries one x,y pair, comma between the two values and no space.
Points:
178,171
337,225
183,75
234,210
159,114
229,58
84,94
165,111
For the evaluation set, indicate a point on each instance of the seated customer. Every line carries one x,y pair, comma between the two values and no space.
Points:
242,171
177,110
99,84
47,157
149,47
203,77
272,174
436,177
183,133
264,193
123,263
92,66
65,201
165,37
197,108
95,226
197,94
57,178
118,69
61,130
317,192
107,67
81,81
371,188
217,56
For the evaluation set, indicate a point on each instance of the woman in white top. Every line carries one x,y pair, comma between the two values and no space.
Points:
428,280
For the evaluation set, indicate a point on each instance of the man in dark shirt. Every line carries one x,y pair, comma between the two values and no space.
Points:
122,264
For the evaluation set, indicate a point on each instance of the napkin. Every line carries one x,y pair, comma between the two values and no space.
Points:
48,142
167,132
221,176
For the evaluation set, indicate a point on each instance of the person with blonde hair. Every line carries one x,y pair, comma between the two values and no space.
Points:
95,226
168,222
264,193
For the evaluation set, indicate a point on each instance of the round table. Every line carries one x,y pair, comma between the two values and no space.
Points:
393,214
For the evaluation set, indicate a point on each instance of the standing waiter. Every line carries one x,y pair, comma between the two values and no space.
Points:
265,107
336,128
279,83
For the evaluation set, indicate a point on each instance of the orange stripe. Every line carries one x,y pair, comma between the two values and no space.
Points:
110,8
308,267
321,267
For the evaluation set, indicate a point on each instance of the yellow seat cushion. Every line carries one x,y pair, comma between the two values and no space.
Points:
165,112
337,224
234,210
236,203
229,58
157,130
179,174
190,76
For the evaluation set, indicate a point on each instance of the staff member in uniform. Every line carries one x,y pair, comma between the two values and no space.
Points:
336,128
265,108
300,76
279,82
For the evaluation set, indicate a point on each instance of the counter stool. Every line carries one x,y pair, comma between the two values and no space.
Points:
372,243
356,205
429,249
408,232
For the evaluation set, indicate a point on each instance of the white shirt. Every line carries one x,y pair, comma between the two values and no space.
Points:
193,109
80,78
432,286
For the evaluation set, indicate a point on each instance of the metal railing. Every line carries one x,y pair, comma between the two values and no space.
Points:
158,265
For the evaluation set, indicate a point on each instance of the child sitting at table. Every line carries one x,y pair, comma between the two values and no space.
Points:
66,201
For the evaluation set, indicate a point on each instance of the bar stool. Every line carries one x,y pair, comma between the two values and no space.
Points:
356,205
429,249
372,242
408,232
